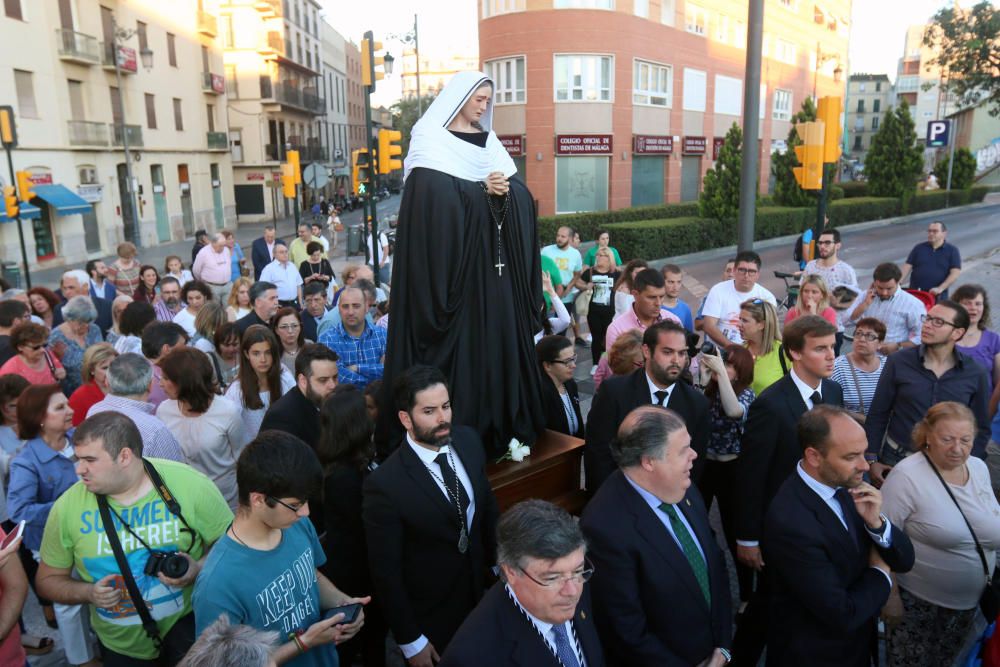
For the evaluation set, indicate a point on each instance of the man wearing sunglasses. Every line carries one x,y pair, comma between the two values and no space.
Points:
544,571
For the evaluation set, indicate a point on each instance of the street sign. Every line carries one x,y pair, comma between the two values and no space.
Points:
315,175
938,132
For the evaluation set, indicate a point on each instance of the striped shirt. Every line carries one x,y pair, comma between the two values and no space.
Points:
903,316
163,311
157,440
867,380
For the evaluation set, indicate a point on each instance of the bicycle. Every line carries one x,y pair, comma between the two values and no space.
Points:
791,293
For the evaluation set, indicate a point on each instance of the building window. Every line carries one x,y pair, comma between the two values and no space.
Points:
178,117
13,9
762,107
695,19
876,106
583,78
784,51
171,50
861,87
857,144
232,83
25,87
874,122
782,104
210,116
581,184
652,84
861,106
722,29
584,4
740,35
150,111
694,89
878,86
508,79
728,95
140,32
668,12
641,8
495,7
228,38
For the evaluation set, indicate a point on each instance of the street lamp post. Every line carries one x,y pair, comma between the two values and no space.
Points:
413,37
120,35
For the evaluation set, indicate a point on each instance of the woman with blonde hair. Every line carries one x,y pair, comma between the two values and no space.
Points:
761,336
624,357
124,271
94,374
239,299
814,299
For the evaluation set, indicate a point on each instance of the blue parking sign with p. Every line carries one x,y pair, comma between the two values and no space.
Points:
937,133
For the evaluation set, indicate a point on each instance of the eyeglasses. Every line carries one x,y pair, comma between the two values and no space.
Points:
746,272
566,362
559,580
865,336
284,504
289,327
937,322
37,347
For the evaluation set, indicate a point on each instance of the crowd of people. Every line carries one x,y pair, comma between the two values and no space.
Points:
191,454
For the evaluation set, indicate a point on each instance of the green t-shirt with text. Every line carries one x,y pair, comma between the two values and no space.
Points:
74,538
550,267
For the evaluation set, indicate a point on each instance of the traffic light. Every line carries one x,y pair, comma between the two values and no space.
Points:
293,160
361,170
287,181
369,61
10,201
810,155
8,130
828,112
388,150
24,186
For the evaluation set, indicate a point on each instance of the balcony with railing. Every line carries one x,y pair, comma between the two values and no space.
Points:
291,95
213,84
268,8
120,132
87,133
217,141
208,25
307,152
78,47
128,62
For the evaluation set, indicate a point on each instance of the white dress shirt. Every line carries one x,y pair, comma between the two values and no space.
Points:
286,279
805,390
545,629
653,389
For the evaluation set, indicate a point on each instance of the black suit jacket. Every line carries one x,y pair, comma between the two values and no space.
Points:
425,586
260,256
825,598
555,413
103,307
249,320
770,449
347,553
650,608
497,634
617,397
309,326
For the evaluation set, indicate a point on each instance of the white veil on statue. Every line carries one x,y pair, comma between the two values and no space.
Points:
434,147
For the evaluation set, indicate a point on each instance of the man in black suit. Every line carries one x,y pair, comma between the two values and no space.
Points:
829,550
664,346
262,250
430,519
76,283
539,614
660,585
768,453
263,305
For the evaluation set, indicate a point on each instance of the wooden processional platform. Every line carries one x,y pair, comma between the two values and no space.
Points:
553,472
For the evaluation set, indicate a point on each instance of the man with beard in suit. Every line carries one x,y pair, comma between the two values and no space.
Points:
430,519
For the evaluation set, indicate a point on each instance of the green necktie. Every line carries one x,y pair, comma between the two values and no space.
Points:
690,550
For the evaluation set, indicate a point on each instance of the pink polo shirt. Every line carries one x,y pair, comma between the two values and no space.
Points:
213,267
628,321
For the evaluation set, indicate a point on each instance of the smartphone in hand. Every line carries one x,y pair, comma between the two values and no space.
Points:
12,536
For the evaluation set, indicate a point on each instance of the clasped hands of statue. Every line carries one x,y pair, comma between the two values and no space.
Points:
497,184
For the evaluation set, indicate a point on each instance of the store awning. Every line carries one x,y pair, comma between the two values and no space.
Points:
62,199
28,212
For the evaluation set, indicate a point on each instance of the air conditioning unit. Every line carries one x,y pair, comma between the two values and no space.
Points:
88,176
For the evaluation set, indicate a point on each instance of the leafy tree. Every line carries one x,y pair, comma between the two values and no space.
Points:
962,175
405,115
720,196
967,42
786,189
894,161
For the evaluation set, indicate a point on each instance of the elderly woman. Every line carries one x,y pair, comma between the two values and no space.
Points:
560,396
194,294
136,316
936,495
124,271
70,340
33,361
208,427
94,374
858,371
117,308
41,473
624,357
45,306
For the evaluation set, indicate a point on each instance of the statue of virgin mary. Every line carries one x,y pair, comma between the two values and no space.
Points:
466,277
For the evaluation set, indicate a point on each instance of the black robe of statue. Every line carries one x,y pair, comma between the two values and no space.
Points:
451,309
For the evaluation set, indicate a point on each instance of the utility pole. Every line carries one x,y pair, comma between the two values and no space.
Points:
369,75
133,207
751,126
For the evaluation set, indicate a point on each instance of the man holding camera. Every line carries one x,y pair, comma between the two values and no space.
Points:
166,516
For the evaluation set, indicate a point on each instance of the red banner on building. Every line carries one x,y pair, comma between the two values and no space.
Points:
218,83
40,179
127,60
255,176
583,144
648,144
694,145
514,143
717,143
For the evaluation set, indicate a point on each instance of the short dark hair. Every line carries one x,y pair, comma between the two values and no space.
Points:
814,427
135,318
258,289
196,286
966,292
671,268
309,353
873,323
169,280
645,434
11,311
748,256
158,334
11,387
414,380
832,231
651,336
961,314
27,333
190,369
887,271
794,336
647,278
346,429
278,465
548,348
227,331
115,431
944,227
314,246
91,267
32,405
313,288
536,529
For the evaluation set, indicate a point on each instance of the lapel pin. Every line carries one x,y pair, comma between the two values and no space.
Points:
688,502
583,615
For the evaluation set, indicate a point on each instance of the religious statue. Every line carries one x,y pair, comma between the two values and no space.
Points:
466,276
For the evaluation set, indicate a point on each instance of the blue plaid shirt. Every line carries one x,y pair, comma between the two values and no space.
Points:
364,354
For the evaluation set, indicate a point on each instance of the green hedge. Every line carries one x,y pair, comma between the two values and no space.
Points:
862,209
854,189
774,221
587,224
666,238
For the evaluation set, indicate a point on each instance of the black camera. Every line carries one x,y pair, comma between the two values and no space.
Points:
171,564
708,347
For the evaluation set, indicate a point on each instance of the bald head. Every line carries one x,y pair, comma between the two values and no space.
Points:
645,432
